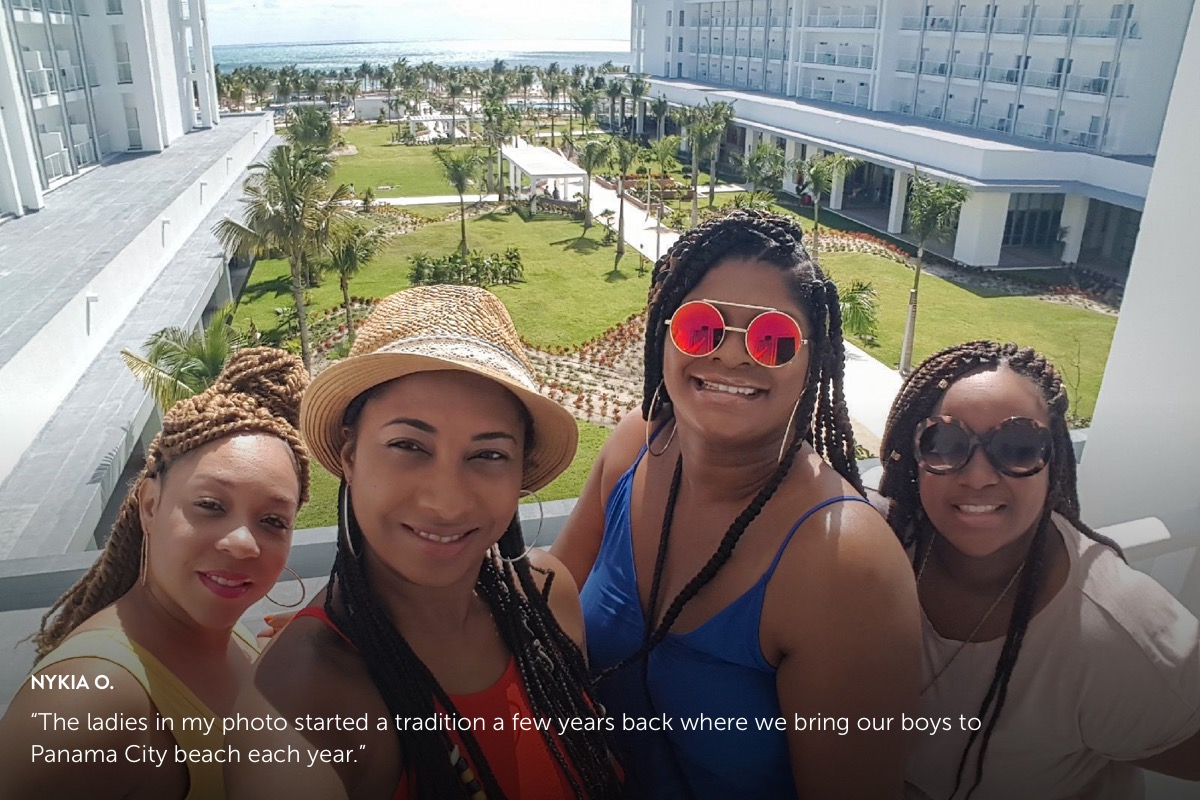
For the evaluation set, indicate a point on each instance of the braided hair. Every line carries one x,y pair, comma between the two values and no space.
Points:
821,417
552,667
916,401
257,392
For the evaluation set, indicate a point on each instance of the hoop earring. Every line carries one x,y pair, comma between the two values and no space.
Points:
786,431
345,518
674,425
142,566
303,591
536,538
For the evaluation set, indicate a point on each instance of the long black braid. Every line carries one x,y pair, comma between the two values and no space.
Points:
821,417
915,403
552,667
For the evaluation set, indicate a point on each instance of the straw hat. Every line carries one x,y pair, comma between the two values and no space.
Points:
432,328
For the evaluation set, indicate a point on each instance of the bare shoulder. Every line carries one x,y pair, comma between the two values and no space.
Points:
622,447
564,593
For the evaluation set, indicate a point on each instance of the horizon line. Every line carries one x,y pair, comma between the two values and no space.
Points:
406,41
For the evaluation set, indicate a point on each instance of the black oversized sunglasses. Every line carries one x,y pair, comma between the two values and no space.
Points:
1018,447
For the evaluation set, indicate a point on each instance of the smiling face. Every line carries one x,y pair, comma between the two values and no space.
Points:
978,509
726,393
434,463
219,527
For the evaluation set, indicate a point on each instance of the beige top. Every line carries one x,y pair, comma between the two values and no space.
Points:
1109,672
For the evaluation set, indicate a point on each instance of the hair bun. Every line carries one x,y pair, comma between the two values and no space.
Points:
275,378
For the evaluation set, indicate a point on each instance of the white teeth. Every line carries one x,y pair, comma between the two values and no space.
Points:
439,539
217,579
724,387
978,509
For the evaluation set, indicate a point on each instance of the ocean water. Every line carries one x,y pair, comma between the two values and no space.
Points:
449,53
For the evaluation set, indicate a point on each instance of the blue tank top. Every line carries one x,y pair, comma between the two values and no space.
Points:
717,669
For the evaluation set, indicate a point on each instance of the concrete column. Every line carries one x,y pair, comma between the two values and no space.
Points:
748,147
20,183
899,198
1139,460
981,229
835,191
640,112
790,151
1074,218
209,108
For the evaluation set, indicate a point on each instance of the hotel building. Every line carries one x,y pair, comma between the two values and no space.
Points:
83,80
1050,112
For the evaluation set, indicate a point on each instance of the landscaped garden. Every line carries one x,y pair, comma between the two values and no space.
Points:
409,171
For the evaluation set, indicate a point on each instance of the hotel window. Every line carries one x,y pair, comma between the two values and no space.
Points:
680,50
681,18
670,16
668,44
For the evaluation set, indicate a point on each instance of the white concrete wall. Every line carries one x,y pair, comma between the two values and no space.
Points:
1140,458
20,186
29,393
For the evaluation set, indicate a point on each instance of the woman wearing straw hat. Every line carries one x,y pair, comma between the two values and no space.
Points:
442,645
148,638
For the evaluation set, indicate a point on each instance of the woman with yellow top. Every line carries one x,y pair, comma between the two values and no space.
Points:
152,629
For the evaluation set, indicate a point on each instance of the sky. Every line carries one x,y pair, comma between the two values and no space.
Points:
269,21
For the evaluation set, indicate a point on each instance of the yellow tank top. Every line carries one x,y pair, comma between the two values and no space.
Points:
170,696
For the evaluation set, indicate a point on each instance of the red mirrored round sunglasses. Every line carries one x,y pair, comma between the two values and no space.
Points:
773,338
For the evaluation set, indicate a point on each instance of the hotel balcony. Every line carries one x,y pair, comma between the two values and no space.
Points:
56,165
1032,130
85,153
124,72
1051,26
863,19
1087,84
839,60
57,6
41,81
93,77
914,66
861,99
71,78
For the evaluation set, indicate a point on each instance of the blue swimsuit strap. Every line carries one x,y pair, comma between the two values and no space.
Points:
801,521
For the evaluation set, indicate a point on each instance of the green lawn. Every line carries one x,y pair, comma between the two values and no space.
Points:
321,509
437,211
1076,340
570,293
410,171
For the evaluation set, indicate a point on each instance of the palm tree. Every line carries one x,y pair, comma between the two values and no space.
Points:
720,114
860,308
353,247
454,91
310,128
663,153
595,155
526,81
553,90
352,90
705,133
637,90
460,168
585,102
615,91
180,363
661,107
932,214
765,166
821,172
289,210
624,155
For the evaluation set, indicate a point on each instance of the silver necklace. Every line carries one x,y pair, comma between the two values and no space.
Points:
1000,597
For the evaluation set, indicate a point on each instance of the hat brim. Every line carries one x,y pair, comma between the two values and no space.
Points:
323,409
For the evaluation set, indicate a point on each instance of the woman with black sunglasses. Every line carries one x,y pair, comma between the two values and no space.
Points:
730,516
1052,668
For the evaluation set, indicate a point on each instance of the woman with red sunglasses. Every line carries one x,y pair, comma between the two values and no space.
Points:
730,516
1054,669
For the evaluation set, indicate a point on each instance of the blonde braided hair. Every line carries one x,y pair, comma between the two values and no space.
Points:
258,392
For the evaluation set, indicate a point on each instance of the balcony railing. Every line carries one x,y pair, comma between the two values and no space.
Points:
41,81
929,111
843,20
1105,29
775,22
1016,25
56,165
954,116
71,78
57,6
839,60
1043,80
1084,139
1003,75
777,55
971,72
124,72
27,5
929,23
1032,130
93,77
959,116
741,51
1088,84
102,143
1051,27
85,153
135,138
973,24
834,96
